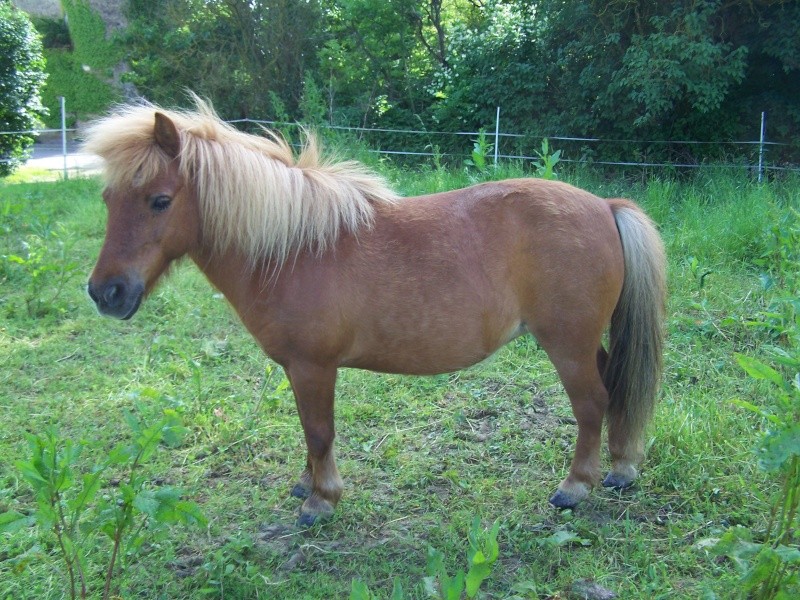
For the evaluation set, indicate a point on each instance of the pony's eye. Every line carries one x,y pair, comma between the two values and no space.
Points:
160,203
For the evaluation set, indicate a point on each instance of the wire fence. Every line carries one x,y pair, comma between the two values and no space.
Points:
59,149
582,147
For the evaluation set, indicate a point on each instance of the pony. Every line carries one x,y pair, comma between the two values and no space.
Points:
327,267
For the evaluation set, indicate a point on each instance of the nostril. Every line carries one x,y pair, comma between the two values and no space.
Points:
114,294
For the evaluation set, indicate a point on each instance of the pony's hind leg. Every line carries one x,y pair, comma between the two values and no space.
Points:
577,366
626,452
320,483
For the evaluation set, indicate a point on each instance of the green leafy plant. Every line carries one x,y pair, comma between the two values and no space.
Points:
21,79
44,268
781,279
769,561
769,564
698,272
481,149
360,591
481,555
545,166
71,507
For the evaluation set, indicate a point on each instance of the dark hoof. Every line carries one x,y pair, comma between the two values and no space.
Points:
616,482
300,491
562,500
306,520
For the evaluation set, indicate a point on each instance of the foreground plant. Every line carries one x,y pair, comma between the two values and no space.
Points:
769,562
69,507
42,268
770,565
481,556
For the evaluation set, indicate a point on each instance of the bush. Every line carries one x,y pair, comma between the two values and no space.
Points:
21,78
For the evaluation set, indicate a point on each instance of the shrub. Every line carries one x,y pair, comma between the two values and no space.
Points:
21,78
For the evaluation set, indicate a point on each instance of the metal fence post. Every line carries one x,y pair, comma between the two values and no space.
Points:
761,147
64,134
496,137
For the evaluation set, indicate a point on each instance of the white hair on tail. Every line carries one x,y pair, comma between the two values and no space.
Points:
254,194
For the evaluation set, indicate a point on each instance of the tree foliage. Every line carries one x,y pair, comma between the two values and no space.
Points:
618,70
628,69
233,51
21,79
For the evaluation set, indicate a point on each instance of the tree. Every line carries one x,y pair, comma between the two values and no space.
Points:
238,53
628,70
21,79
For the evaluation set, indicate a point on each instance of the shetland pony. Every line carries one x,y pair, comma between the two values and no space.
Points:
327,267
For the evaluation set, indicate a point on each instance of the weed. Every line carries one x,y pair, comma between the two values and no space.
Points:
73,512
698,273
481,149
43,268
481,556
770,566
545,166
781,279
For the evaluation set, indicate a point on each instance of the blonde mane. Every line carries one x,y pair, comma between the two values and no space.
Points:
254,194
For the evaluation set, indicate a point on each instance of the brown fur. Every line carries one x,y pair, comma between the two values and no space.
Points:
420,285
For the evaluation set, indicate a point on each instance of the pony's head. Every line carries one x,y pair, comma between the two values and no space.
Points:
178,181
152,219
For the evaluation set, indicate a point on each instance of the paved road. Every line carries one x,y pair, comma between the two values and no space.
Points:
47,154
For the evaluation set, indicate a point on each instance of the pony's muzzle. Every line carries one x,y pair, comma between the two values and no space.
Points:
117,297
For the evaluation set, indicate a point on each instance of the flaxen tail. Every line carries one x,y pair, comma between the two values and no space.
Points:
633,370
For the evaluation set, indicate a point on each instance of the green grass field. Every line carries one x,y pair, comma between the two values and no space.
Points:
420,456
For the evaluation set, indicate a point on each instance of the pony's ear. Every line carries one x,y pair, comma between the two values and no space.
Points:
167,136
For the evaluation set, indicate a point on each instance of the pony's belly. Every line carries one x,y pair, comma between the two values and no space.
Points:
432,354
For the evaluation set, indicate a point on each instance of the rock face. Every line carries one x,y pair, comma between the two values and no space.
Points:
40,8
111,11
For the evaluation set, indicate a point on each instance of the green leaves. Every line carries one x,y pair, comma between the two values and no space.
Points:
22,77
42,268
545,166
757,562
769,567
12,521
164,505
481,556
68,504
758,370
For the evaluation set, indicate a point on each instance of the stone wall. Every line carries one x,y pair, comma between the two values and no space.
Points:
111,11
40,8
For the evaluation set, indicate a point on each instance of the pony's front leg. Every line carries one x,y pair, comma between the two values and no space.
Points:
320,483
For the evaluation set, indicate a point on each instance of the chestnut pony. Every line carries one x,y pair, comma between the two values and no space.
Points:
328,268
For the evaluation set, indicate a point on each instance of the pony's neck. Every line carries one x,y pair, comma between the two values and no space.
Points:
232,275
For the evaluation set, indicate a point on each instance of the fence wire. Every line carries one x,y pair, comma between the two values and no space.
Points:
52,147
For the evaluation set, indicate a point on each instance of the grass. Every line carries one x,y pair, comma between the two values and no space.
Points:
420,456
